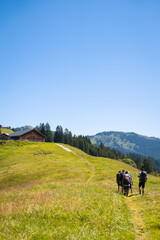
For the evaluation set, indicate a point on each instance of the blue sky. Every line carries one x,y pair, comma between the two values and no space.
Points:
88,65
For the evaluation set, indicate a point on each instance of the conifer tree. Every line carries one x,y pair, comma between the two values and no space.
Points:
148,164
70,138
58,135
42,129
49,134
66,135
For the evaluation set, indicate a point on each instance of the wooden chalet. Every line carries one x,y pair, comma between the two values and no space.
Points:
4,136
27,135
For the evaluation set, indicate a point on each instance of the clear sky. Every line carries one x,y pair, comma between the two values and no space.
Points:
88,65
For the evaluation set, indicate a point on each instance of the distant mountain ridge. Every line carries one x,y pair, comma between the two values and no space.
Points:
26,127
127,142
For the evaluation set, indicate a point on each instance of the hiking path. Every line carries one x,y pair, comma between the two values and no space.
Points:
136,218
91,166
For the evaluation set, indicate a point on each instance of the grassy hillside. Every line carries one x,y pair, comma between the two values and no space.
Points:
6,130
47,192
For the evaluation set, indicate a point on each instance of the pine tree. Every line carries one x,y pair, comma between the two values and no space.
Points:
41,128
66,136
75,142
49,134
70,138
148,164
58,135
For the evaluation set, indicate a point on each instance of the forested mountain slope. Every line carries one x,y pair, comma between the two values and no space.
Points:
129,142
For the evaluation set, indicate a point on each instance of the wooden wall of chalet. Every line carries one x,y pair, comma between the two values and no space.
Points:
32,136
3,137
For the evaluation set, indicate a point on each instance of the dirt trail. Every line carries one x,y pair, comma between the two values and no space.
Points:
137,219
91,166
67,149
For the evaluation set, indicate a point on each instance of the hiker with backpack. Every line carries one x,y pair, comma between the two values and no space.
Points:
118,180
142,179
126,181
131,183
122,173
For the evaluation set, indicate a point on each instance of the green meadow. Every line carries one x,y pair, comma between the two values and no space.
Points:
48,193
6,130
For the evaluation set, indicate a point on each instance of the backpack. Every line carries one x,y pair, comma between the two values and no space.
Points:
131,178
143,176
118,177
121,176
126,179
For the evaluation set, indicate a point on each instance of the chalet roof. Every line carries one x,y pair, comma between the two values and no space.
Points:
4,134
20,133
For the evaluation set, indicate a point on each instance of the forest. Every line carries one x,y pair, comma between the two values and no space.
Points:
82,142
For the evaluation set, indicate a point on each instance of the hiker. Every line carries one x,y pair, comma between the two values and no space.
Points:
123,172
131,183
142,179
118,180
126,182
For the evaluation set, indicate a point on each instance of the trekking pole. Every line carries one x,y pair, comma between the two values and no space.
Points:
134,189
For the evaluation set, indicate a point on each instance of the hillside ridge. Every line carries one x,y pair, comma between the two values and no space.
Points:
127,142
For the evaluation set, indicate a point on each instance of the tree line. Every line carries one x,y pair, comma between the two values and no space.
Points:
148,163
81,142
45,129
84,143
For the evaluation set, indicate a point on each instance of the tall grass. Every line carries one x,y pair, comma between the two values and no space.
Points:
65,211
49,193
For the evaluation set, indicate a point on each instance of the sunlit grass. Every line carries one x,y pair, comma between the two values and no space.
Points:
49,193
65,211
6,130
